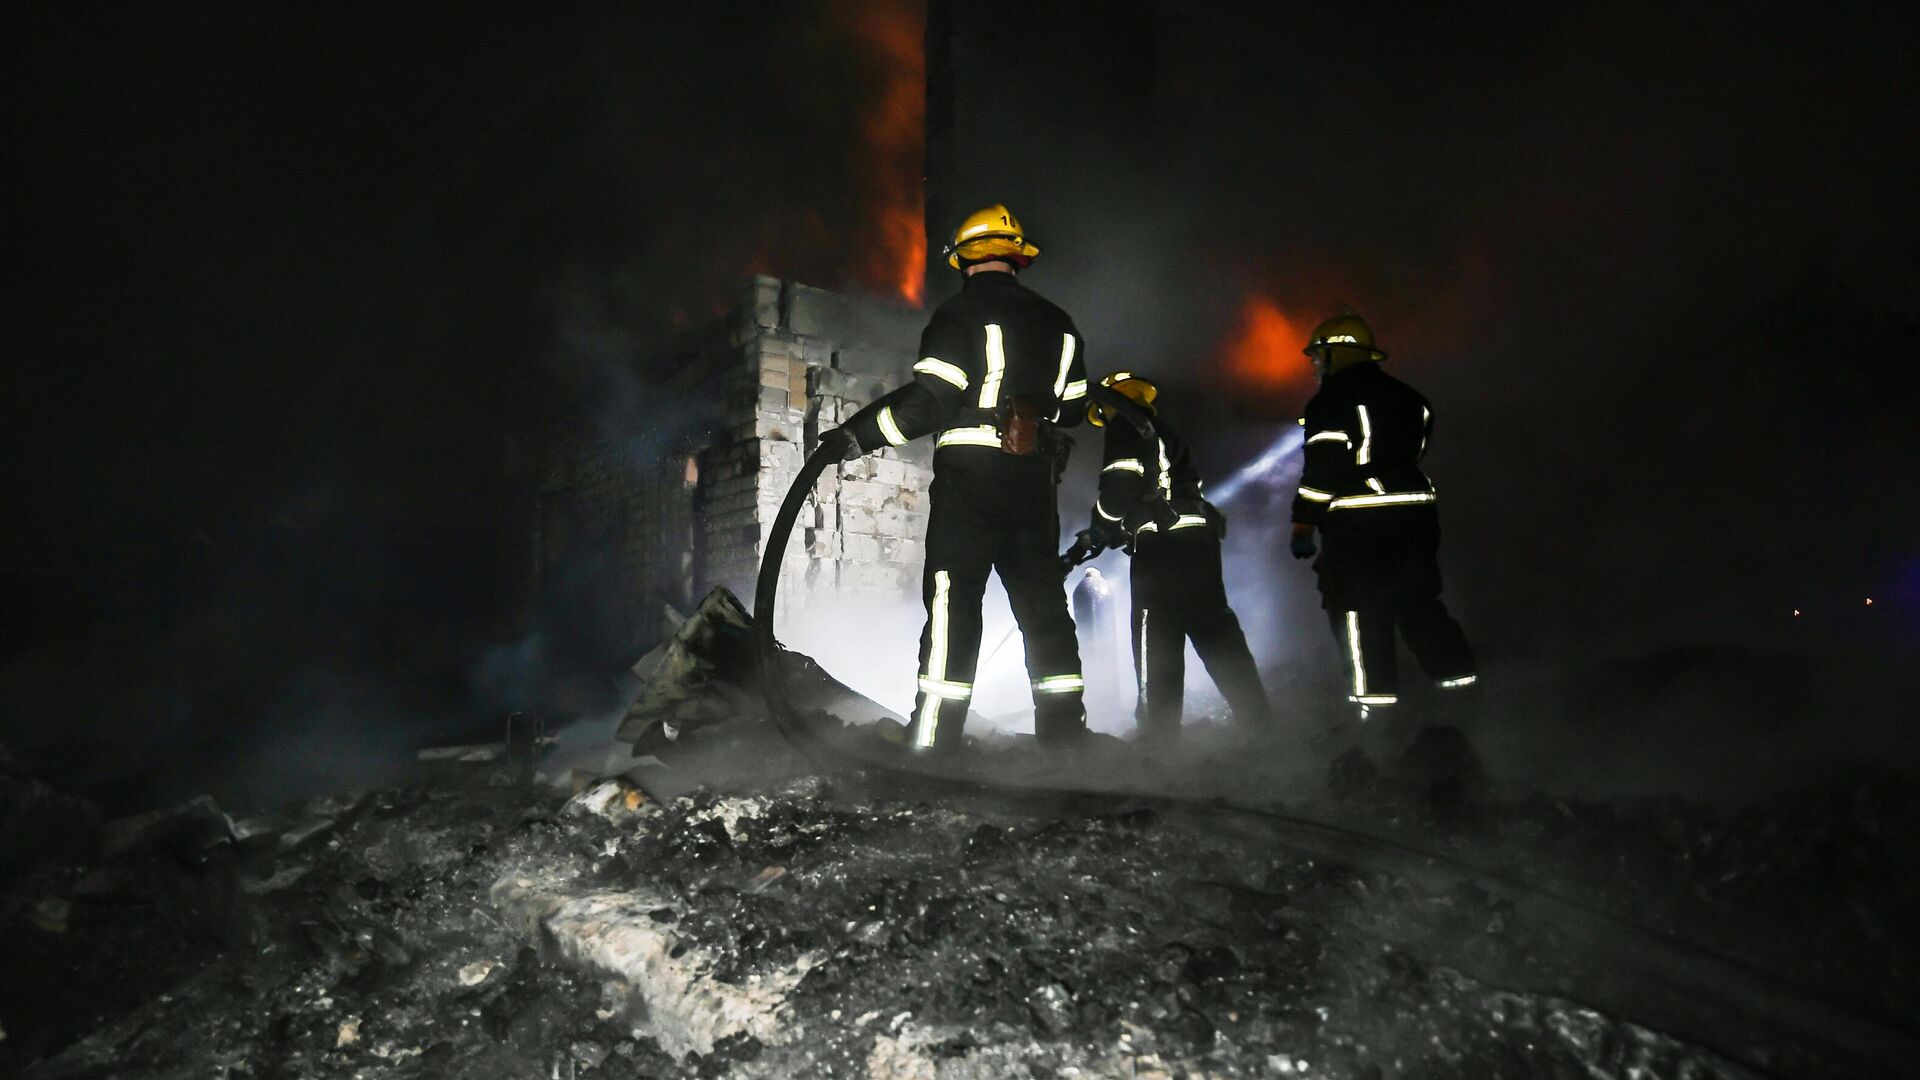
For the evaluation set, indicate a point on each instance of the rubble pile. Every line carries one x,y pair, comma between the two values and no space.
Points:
354,937
707,904
1820,885
810,930
935,940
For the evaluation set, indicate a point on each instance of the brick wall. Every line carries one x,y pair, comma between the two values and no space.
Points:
668,523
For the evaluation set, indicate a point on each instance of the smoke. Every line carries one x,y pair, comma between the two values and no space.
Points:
291,283
1613,392
1658,326
303,289
1611,246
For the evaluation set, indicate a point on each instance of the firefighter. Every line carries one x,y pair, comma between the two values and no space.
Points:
1000,370
1376,512
1152,504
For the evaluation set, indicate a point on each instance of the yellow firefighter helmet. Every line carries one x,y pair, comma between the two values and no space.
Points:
1348,329
992,233
1136,389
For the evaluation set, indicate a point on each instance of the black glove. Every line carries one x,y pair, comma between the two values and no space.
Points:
842,442
1106,533
1084,547
1302,545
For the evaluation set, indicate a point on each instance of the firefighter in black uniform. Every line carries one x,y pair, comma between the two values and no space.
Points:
1000,368
1363,489
1152,503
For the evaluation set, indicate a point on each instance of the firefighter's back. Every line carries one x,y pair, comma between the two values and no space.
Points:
1385,424
1021,348
1396,417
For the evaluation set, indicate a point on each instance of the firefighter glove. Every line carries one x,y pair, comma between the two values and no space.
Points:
1084,547
1106,534
842,442
1302,544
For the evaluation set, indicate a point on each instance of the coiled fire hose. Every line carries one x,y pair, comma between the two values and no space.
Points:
1663,981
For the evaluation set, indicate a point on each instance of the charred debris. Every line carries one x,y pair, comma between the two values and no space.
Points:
681,893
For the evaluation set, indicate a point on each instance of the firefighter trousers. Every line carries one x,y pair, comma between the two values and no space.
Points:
1380,573
1179,595
969,537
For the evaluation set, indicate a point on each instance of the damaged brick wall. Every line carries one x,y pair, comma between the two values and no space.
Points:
664,515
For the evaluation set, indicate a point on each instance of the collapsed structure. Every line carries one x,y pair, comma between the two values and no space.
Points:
686,505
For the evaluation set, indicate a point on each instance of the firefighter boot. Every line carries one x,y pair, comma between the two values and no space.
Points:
1061,723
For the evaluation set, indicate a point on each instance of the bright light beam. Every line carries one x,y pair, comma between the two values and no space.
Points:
1275,464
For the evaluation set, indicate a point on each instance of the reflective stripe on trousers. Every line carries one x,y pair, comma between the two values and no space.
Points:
937,628
1059,684
1357,660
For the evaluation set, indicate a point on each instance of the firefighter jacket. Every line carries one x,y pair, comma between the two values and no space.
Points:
1365,434
994,346
1149,485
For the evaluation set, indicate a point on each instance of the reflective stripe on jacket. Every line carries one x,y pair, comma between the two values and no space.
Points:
1366,432
1149,485
995,341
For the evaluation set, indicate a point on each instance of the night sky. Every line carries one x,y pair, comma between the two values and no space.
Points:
284,279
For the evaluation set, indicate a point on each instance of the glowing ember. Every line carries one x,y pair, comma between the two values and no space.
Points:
895,128
1265,351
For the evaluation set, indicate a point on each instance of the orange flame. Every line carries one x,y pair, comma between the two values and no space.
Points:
895,129
1265,351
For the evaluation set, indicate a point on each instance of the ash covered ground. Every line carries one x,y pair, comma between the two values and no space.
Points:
730,908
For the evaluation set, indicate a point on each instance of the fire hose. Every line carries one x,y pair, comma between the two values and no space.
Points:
1677,985
767,650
